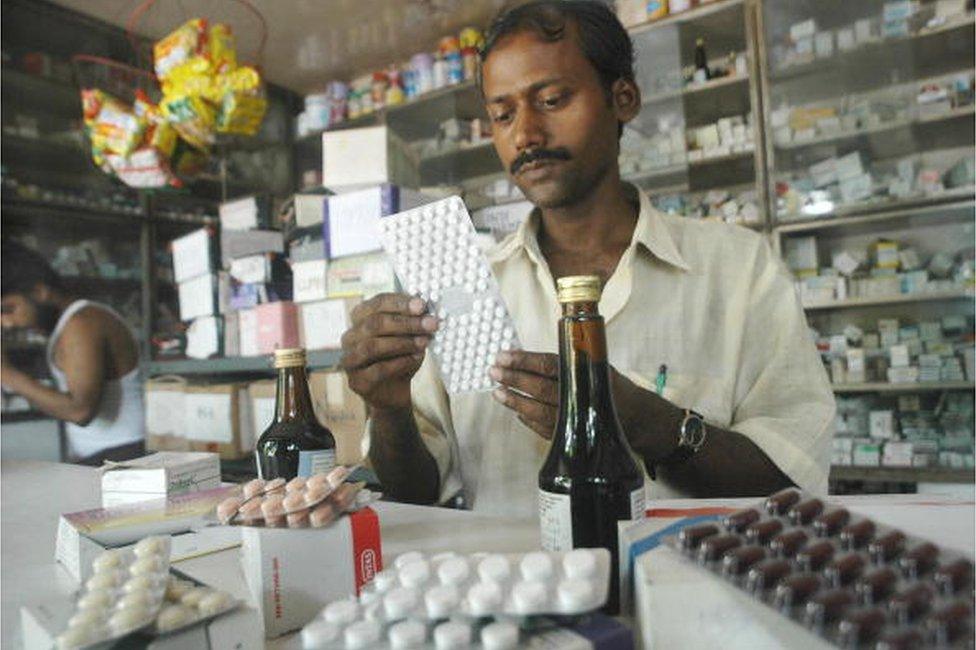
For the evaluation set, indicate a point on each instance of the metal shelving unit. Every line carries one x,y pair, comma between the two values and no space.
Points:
889,388
901,474
900,299
317,359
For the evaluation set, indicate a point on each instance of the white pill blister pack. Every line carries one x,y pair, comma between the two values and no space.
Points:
421,595
188,603
436,256
123,595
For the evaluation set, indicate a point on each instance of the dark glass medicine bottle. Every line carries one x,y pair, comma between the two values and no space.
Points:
590,479
295,444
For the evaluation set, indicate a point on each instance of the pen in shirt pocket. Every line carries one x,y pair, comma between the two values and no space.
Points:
662,378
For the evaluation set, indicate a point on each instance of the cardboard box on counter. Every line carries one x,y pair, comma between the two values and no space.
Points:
360,275
341,410
277,326
287,577
352,220
323,323
165,401
357,158
309,280
248,213
159,475
217,419
241,243
205,337
194,254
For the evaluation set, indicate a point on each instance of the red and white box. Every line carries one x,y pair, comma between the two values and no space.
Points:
277,326
293,573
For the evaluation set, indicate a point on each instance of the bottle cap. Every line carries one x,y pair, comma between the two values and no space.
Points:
289,358
578,288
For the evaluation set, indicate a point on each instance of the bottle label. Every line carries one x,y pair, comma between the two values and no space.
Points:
637,505
315,462
556,521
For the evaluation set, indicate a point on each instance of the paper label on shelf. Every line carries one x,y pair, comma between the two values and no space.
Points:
315,462
555,521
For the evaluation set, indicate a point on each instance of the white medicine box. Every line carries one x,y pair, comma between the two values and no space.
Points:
159,475
194,255
358,158
352,220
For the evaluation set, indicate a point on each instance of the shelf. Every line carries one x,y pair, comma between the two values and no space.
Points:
658,172
886,387
894,125
23,416
891,300
99,283
696,89
477,160
236,365
69,212
685,16
719,160
817,65
936,207
901,474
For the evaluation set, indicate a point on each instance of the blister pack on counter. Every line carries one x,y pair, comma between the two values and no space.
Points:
846,578
187,603
313,502
436,257
420,593
123,596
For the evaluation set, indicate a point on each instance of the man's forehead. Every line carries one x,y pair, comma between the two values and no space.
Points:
524,61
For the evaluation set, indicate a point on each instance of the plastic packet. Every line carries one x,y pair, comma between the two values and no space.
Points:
186,41
188,603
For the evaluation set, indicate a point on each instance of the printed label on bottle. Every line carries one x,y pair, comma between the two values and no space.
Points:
637,505
555,521
315,462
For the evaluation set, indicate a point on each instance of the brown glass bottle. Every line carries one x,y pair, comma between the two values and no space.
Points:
295,444
590,479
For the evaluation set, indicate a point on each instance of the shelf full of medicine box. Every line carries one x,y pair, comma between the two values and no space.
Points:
901,474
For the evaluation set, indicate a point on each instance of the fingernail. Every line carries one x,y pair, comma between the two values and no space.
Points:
421,342
495,373
499,395
429,323
417,306
503,359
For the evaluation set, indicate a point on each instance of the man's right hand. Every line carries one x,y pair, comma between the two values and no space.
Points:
385,347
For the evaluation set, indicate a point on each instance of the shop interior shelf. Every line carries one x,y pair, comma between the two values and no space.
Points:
891,300
237,365
938,209
697,89
45,210
691,15
919,387
23,416
901,474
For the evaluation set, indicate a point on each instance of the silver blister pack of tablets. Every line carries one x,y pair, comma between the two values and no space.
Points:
436,257
438,598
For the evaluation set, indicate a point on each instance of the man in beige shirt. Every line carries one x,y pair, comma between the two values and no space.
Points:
708,302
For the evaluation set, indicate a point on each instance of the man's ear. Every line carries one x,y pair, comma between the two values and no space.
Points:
626,99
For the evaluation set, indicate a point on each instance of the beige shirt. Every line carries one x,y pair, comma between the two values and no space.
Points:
709,300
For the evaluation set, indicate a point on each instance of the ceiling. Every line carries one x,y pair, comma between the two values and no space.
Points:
312,42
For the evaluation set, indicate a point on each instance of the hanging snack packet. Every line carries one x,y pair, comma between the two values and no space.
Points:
244,103
192,117
185,42
222,51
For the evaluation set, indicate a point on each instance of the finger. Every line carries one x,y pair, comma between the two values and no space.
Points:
539,363
371,350
543,389
531,409
365,380
388,303
397,325
546,430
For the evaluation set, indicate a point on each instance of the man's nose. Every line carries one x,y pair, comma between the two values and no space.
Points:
529,130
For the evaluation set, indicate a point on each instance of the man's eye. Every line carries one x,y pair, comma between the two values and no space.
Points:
552,102
501,117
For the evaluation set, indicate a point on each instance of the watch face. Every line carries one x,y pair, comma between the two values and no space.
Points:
693,431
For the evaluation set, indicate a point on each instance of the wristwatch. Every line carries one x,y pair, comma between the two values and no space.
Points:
691,438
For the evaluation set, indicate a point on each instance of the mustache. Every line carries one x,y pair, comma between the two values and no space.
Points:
527,157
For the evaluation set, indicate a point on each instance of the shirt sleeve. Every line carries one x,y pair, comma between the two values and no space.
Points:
783,401
432,411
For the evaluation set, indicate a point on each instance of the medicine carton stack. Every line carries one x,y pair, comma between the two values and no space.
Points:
196,261
882,270
905,431
901,353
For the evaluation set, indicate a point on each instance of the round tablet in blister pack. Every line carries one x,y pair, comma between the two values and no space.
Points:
123,595
189,603
436,256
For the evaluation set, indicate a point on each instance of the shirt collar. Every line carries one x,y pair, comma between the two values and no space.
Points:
651,232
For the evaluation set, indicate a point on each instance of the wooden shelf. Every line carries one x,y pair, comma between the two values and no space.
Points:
719,160
901,474
918,387
42,210
894,125
937,207
891,300
696,89
237,365
686,16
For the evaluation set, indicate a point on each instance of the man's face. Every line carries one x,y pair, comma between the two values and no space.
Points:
552,125
17,311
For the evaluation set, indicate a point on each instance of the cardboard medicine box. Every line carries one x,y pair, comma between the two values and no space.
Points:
166,473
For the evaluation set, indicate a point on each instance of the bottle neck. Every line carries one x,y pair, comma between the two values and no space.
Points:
292,399
584,379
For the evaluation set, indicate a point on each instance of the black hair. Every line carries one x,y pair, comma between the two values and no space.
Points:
603,39
22,269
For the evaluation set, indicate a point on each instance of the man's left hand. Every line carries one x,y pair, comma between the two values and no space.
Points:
530,387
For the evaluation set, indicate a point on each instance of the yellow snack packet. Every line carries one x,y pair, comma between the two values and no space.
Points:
186,41
222,50
241,113
192,117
